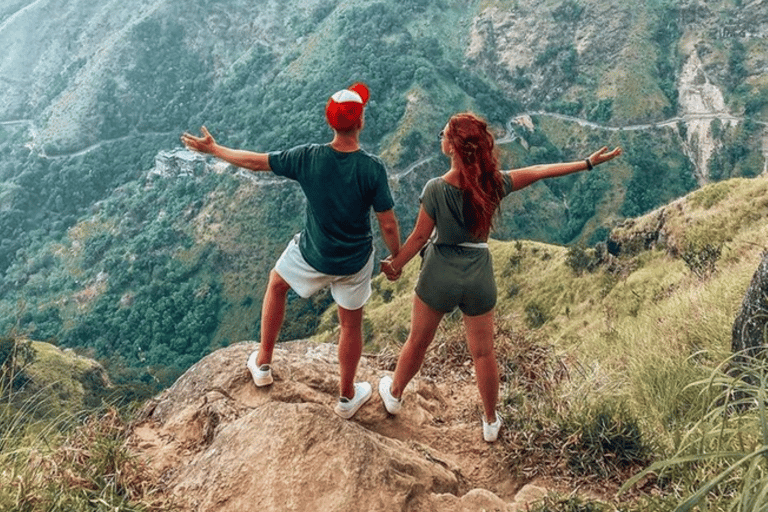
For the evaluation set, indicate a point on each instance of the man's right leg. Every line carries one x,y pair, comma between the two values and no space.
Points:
272,314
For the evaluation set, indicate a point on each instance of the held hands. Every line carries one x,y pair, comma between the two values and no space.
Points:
603,155
204,144
389,270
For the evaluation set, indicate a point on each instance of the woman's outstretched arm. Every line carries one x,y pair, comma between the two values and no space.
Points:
525,176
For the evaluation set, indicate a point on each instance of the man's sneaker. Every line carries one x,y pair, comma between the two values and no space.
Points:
347,407
391,403
262,375
491,430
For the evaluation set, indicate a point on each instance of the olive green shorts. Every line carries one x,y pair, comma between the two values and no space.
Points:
452,276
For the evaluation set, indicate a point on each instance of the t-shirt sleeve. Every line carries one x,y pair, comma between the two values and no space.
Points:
382,195
289,163
427,199
508,185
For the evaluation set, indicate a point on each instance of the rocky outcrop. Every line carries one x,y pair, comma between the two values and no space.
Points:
221,444
178,163
701,103
748,337
634,236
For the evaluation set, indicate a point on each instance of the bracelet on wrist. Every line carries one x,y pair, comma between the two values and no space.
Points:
589,164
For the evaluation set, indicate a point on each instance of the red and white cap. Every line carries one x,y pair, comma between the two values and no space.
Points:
345,108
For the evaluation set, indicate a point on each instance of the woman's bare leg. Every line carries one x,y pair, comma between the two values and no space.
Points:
480,341
424,323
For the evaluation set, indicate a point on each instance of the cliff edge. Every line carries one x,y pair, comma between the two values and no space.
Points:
219,443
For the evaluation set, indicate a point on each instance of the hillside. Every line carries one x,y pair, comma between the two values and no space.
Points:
655,304
600,351
101,251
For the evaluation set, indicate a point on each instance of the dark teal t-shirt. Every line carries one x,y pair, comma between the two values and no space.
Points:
341,189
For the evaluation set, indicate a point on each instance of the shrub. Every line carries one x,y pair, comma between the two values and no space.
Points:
15,355
581,259
607,442
702,260
535,315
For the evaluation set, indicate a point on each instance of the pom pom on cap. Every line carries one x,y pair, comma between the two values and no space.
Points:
345,108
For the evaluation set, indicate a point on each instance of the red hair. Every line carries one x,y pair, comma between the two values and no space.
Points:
479,176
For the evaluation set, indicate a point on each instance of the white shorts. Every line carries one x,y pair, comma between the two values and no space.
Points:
349,292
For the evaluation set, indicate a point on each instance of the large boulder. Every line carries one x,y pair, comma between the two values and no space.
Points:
750,329
221,444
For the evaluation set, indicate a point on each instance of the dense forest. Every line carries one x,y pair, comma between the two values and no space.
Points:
149,273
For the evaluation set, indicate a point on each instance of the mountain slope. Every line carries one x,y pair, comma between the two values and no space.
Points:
92,236
661,295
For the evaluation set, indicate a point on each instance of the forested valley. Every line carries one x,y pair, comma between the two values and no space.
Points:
147,272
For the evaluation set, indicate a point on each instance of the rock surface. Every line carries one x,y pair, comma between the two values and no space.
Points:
749,329
221,444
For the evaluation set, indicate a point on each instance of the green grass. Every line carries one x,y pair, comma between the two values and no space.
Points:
73,462
609,371
68,457
720,461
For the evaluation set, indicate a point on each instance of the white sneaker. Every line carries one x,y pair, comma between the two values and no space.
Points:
391,404
347,407
262,375
491,430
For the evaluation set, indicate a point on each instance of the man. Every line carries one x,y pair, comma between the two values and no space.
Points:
342,183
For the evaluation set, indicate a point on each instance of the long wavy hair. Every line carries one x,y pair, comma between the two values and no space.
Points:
479,176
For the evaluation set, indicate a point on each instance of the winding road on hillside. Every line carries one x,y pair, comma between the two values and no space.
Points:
507,138
13,17
510,135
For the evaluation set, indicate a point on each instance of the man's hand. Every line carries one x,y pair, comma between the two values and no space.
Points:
204,144
246,159
389,270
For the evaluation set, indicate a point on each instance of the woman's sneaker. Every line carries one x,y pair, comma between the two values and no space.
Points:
391,404
347,407
262,375
491,430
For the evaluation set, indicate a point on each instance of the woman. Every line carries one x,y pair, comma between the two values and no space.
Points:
457,270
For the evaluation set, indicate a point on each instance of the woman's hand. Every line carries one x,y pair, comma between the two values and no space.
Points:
389,270
204,144
603,155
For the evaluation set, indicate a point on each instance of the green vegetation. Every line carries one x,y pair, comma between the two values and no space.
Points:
67,464
617,355
656,179
616,370
61,447
189,293
624,378
719,461
665,36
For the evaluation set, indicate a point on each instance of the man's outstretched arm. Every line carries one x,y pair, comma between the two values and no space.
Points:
241,158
